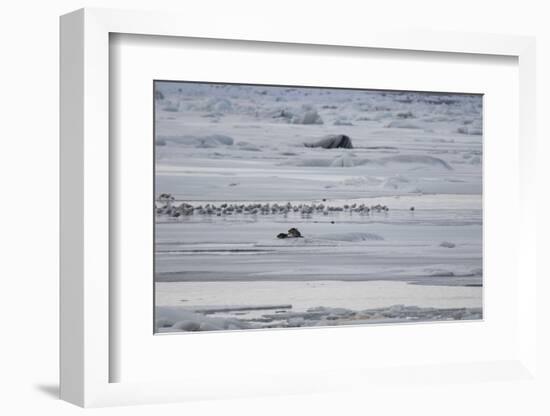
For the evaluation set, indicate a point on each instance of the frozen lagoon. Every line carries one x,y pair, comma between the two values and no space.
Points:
221,144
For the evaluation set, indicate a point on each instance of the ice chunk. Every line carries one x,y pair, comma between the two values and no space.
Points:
183,319
219,105
344,161
447,244
309,117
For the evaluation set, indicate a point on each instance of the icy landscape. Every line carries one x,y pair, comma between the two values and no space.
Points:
283,207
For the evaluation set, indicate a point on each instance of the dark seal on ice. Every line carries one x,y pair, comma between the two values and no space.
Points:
334,141
292,233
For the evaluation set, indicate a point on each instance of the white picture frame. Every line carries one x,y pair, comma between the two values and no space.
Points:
86,305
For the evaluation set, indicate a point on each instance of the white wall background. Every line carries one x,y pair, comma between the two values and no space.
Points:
29,56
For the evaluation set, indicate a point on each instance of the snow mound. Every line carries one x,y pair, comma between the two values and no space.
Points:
309,117
344,161
361,181
312,163
342,121
332,142
416,159
248,146
213,140
219,105
305,115
447,244
404,124
396,182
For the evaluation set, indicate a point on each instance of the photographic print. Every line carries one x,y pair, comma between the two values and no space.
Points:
292,207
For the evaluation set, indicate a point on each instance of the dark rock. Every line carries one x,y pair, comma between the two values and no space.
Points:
282,235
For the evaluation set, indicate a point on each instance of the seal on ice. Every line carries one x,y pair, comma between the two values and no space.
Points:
292,233
333,141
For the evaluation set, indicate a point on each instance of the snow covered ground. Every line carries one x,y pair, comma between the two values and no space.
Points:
394,220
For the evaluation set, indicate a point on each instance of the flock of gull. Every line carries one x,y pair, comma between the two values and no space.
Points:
169,208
